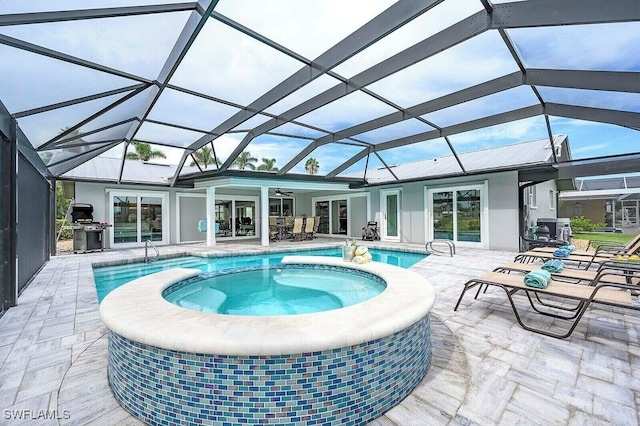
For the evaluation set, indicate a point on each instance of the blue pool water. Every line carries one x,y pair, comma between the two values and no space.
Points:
279,290
111,277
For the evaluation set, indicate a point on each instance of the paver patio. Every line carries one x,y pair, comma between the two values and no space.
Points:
485,370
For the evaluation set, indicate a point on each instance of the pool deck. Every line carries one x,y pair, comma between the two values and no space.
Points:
485,369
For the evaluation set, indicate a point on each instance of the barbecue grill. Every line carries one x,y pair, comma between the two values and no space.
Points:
87,234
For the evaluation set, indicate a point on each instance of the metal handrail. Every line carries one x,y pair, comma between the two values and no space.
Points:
146,247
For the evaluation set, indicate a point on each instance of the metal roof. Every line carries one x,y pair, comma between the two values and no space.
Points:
108,169
616,182
619,187
486,160
356,86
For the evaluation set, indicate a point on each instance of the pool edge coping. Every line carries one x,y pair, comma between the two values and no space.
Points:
264,250
407,299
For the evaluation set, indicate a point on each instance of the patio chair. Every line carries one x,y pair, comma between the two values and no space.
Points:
308,227
618,295
296,232
274,233
316,225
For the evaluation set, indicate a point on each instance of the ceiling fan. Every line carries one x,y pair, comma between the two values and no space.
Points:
279,193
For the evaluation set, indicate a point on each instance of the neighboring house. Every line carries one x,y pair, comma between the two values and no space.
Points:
613,201
478,207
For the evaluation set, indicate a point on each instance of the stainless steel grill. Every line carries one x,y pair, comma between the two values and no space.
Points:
87,235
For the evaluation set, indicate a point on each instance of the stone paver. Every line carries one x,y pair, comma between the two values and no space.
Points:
485,369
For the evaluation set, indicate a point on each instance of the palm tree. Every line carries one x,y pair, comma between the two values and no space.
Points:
268,165
245,160
312,166
203,156
144,152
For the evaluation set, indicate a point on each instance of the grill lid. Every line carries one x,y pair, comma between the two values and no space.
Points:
81,212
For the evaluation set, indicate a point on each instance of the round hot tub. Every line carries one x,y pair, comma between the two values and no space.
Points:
172,365
275,290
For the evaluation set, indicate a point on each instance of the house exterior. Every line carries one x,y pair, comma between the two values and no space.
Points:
430,199
613,201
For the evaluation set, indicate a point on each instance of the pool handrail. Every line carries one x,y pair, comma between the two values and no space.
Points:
146,248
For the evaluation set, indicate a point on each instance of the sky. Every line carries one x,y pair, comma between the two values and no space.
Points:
227,65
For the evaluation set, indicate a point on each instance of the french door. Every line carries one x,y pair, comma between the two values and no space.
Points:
390,215
457,214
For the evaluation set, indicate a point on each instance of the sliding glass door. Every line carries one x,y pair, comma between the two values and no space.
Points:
138,217
322,214
236,217
342,215
339,217
151,217
457,214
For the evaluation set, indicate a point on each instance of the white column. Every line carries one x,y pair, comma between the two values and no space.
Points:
264,215
211,215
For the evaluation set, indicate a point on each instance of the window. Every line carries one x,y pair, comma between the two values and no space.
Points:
281,207
552,199
530,197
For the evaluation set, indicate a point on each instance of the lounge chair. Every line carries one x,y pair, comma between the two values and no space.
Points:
602,249
607,245
579,259
618,295
606,273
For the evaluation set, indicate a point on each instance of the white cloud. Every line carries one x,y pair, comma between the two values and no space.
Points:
482,58
590,47
517,131
307,27
126,43
228,64
585,151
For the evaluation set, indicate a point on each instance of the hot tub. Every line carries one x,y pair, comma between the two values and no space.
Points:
172,365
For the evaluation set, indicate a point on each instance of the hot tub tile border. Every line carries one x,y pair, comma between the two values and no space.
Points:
350,385
177,286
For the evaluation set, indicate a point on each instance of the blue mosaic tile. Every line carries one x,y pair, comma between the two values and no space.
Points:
179,285
347,386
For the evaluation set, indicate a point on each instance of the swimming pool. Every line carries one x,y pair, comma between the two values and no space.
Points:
110,277
278,290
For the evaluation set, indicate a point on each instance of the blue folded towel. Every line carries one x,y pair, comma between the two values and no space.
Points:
553,266
202,225
538,278
561,253
568,247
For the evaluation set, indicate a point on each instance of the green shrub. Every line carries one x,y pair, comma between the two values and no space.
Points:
67,234
582,224
468,224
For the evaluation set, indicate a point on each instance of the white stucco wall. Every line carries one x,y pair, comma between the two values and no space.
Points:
543,208
503,212
96,194
502,200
